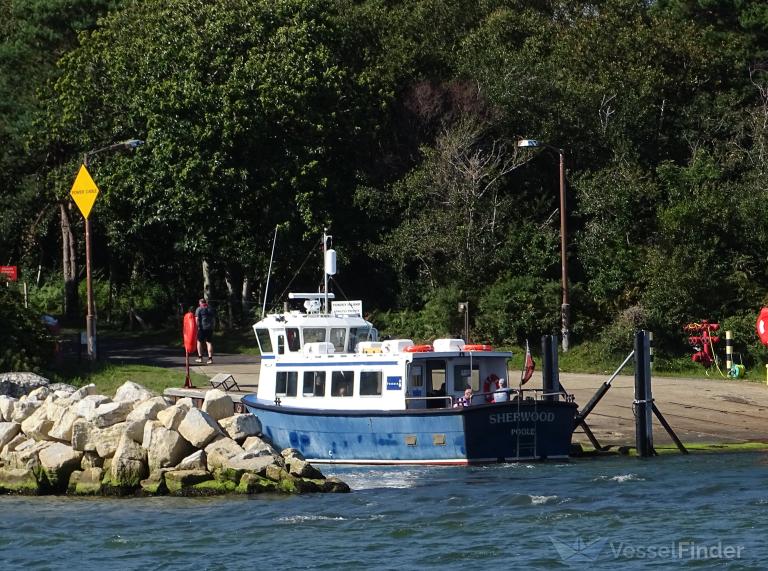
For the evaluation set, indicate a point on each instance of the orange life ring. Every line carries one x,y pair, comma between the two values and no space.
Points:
477,347
418,349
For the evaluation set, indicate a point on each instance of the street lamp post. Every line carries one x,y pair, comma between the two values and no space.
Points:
565,309
90,318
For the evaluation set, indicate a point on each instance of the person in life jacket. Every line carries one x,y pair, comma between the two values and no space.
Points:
205,316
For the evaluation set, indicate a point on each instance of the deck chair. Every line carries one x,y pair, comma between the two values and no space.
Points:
224,381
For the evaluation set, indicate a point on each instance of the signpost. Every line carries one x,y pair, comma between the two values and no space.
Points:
84,192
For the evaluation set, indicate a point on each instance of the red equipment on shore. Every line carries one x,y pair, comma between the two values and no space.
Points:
190,342
703,340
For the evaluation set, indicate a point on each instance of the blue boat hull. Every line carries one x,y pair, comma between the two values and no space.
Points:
502,432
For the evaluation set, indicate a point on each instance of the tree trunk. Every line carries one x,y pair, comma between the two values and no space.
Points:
245,298
230,278
206,279
69,266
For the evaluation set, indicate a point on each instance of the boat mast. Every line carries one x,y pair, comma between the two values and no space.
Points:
329,264
269,273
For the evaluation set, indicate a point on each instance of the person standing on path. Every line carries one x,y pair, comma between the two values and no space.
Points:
205,316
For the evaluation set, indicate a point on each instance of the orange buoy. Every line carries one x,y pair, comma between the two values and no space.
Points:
762,326
477,347
418,349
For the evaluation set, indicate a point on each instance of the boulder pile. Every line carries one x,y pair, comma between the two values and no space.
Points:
58,439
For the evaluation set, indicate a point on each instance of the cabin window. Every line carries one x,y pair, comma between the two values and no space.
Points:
358,334
342,383
463,377
314,335
417,376
314,384
338,335
370,383
286,383
280,344
294,343
435,375
265,343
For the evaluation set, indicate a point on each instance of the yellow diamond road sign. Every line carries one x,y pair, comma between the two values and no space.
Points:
84,191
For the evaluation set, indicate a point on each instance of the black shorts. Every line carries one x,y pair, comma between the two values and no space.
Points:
205,335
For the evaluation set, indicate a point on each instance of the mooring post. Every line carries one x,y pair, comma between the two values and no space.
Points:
728,351
643,404
550,372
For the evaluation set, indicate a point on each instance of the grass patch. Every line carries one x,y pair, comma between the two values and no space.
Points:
108,377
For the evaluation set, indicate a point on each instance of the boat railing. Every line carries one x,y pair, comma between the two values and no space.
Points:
525,393
432,402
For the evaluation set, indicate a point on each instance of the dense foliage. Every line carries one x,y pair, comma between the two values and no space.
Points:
394,124
25,345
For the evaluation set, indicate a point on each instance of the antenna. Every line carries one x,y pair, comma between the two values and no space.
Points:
269,273
329,264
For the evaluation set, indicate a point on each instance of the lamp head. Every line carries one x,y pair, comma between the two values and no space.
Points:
529,143
132,143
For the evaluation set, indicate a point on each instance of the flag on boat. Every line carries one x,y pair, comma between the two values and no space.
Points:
528,366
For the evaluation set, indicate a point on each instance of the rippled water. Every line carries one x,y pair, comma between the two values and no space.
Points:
701,511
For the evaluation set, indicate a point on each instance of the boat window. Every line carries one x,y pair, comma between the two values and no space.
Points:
463,377
342,383
294,343
338,335
265,343
435,374
358,334
280,344
417,376
370,383
286,383
314,384
314,335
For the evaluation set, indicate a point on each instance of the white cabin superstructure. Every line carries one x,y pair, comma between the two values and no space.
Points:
336,362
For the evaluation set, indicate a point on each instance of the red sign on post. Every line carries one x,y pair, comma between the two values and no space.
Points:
11,273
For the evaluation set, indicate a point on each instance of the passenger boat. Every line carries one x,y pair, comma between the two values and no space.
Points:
330,388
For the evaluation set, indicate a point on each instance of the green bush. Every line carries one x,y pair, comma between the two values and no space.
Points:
24,343
746,345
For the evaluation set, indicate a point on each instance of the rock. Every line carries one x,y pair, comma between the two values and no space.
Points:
245,462
26,455
165,447
62,427
37,425
91,460
86,406
83,392
253,484
195,461
276,473
240,426
105,441
89,483
198,428
62,388
154,485
18,481
179,480
135,430
334,486
17,384
6,407
291,453
219,451
8,431
81,436
23,409
58,461
111,413
218,404
132,393
147,410
13,445
40,393
259,445
303,469
129,464
172,416
55,406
